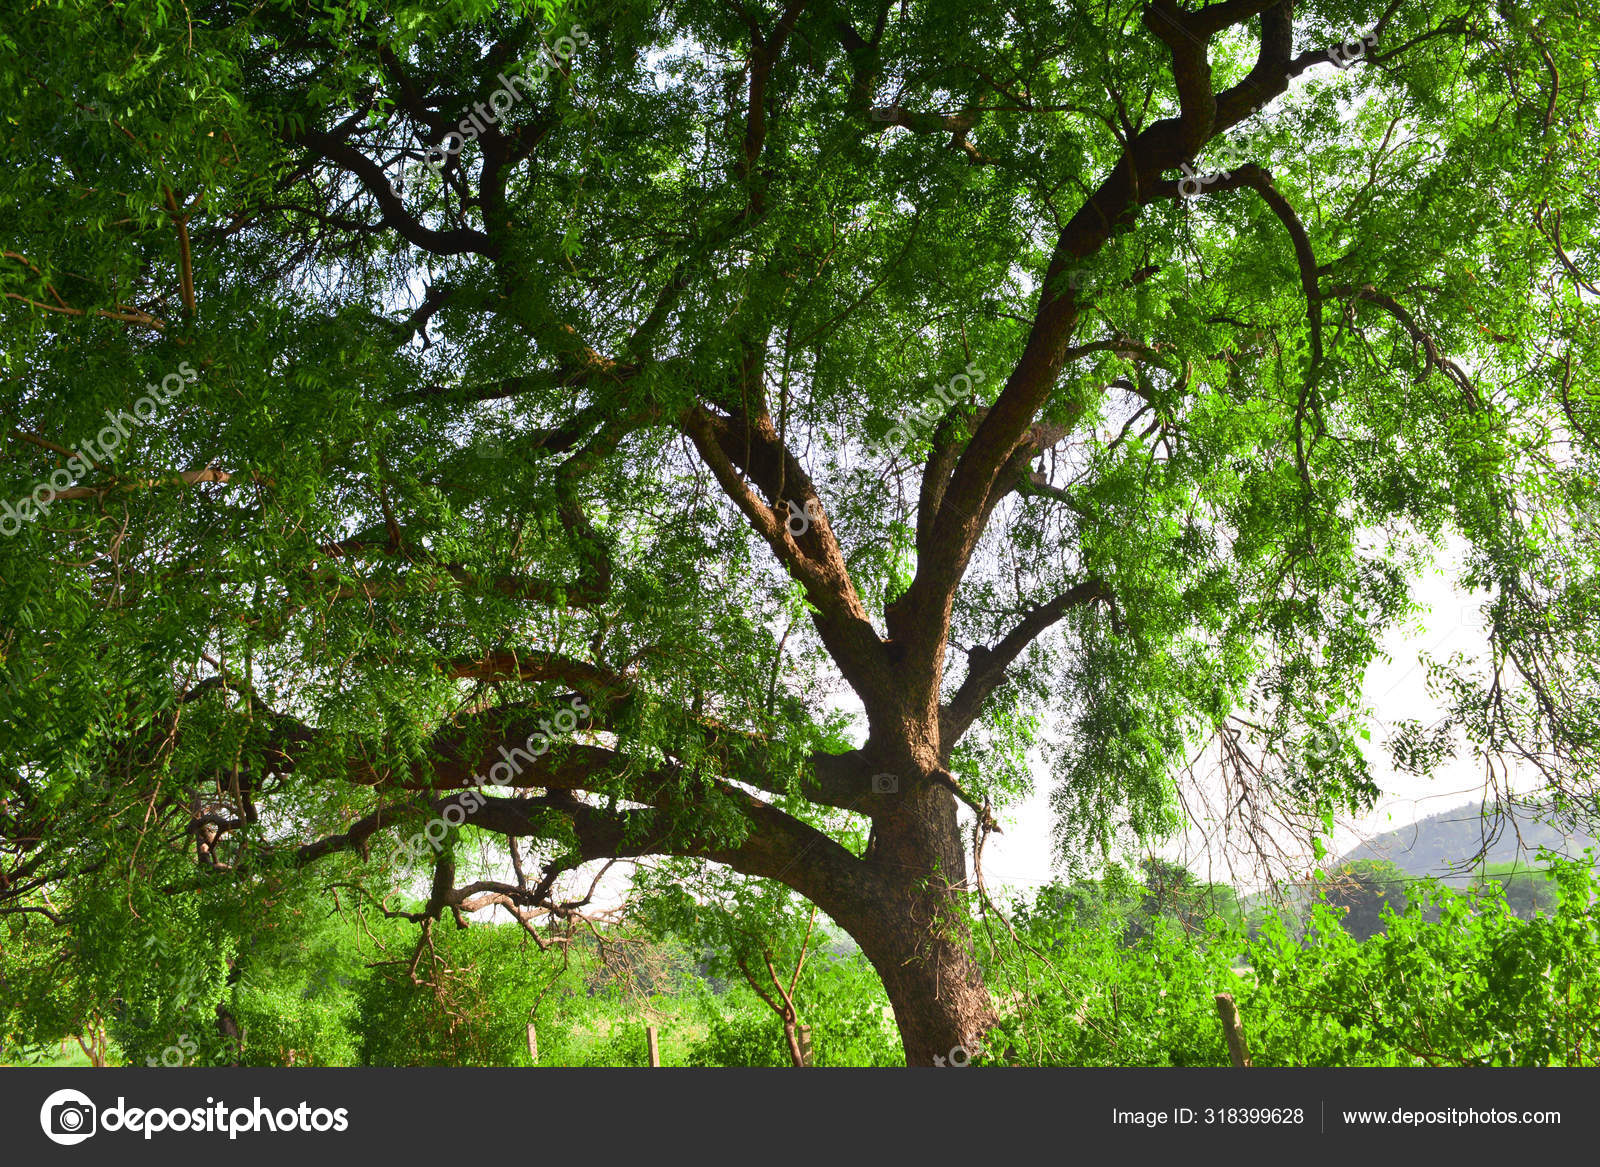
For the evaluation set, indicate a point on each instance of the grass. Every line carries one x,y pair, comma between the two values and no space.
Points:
68,1056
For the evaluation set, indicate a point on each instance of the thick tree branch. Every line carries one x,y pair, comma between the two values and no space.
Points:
986,667
920,622
457,241
796,527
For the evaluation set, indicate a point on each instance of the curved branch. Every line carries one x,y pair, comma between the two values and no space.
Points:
986,668
457,241
812,556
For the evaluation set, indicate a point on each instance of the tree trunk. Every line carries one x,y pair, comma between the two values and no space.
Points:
231,1034
940,1002
913,928
1232,1030
791,1034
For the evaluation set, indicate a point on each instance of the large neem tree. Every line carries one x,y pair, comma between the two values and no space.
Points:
1081,377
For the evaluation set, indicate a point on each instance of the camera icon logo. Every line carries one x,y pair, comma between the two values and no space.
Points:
886,784
488,447
68,1117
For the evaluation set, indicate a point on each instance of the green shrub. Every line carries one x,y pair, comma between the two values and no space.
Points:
1454,980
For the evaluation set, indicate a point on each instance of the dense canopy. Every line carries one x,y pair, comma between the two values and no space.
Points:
448,444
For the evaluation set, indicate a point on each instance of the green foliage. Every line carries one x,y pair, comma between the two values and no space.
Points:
1162,895
443,460
1476,986
1089,998
1360,892
1528,891
1453,980
841,1000
465,996
1088,980
39,1006
454,1009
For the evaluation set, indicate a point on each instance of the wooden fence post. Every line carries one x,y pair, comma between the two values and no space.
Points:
806,1056
655,1049
1232,1029
533,1044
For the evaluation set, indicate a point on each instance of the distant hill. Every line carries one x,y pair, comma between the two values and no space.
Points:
1440,844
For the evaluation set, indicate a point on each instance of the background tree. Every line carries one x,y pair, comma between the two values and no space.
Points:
1109,901
490,393
1173,892
1529,891
1359,892
758,932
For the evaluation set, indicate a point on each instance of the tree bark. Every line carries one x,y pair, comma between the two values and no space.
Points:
941,1004
791,1035
911,923
231,1033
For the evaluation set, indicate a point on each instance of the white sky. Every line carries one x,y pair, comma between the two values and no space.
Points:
1396,690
